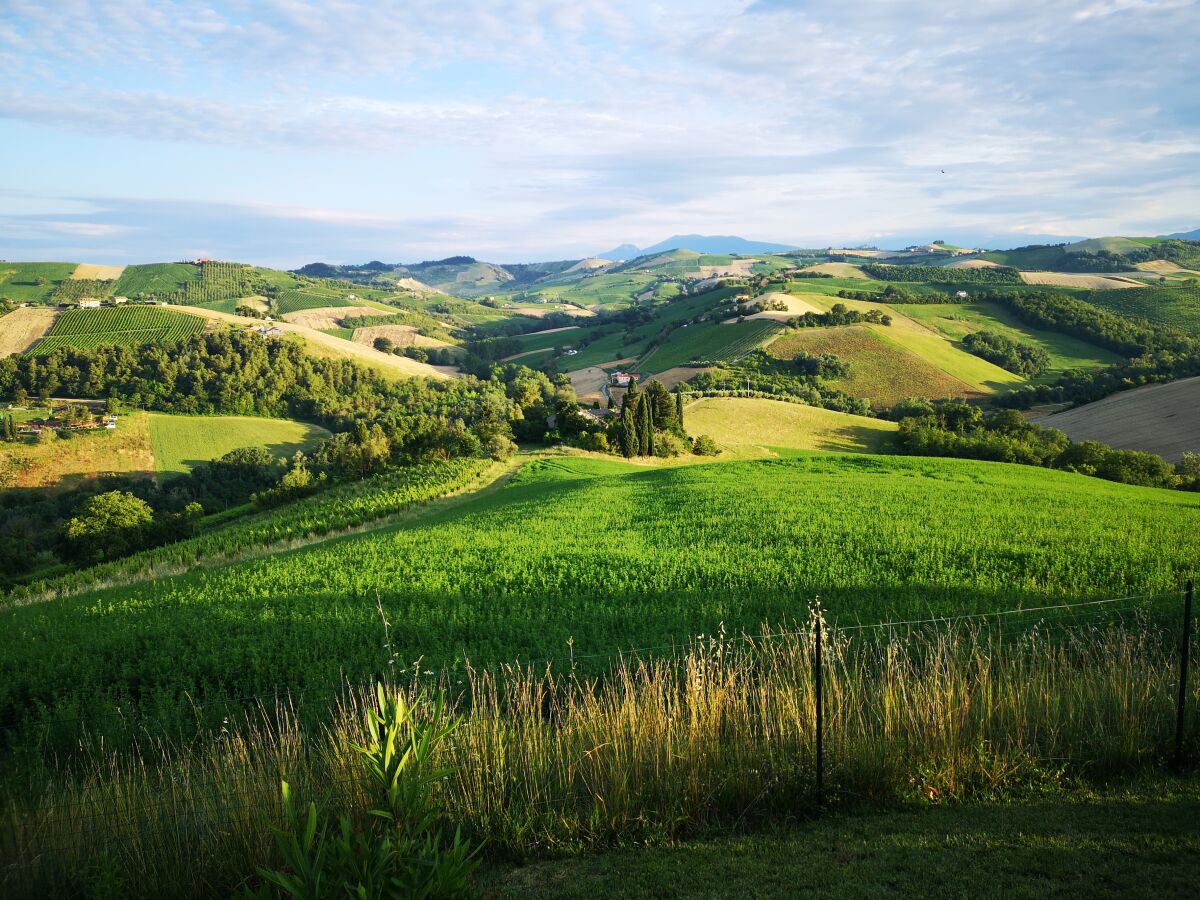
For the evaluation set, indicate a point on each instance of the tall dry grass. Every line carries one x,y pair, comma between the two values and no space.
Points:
720,735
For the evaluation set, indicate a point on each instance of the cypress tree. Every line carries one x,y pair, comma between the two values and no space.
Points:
679,411
647,428
629,434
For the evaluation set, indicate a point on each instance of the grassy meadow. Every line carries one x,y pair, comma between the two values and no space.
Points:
84,456
19,280
181,443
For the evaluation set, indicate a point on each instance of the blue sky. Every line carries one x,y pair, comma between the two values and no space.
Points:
284,131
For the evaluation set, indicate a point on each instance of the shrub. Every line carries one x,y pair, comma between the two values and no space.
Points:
705,446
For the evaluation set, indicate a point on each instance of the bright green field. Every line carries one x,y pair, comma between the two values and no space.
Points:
710,341
156,278
18,281
957,320
1177,305
613,556
180,443
120,326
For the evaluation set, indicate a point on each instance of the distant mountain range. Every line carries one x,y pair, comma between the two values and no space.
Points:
1193,235
701,243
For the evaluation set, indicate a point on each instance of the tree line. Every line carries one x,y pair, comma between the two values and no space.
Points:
943,274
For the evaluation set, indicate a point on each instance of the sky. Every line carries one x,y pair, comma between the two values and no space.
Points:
282,132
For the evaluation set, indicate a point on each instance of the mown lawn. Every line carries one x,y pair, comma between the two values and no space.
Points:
1133,841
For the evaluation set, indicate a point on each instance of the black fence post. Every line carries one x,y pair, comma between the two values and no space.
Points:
1184,654
820,716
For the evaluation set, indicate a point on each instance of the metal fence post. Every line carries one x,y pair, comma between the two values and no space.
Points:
1184,654
820,716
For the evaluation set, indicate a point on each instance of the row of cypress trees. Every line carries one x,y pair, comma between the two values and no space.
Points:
643,413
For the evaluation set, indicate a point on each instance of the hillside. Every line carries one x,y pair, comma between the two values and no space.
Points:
915,536
1160,418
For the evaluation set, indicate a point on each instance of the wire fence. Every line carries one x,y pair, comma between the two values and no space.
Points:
998,623
241,798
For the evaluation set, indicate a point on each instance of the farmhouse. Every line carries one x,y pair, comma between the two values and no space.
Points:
268,330
89,303
962,295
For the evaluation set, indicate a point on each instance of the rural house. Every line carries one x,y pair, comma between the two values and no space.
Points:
89,303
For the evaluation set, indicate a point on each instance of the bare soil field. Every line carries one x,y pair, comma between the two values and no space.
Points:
92,272
1161,418
589,383
795,307
678,374
1092,282
837,270
329,316
399,335
22,328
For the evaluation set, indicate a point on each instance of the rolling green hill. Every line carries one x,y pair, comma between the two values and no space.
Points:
610,555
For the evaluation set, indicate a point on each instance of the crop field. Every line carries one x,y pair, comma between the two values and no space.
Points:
616,289
181,443
606,554
1160,418
880,371
956,320
19,281
119,326
1177,304
710,342
297,301
156,278
738,423
71,290
906,333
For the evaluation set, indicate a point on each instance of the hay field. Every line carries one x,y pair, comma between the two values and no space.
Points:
880,370
796,306
739,267
540,311
22,328
1091,282
837,270
328,316
973,264
399,335
737,423
92,272
1161,418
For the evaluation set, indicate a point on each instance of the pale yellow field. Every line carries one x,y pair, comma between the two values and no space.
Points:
1092,282
734,267
591,263
329,316
538,312
329,347
399,335
1165,267
93,272
740,423
22,328
973,264
796,306
837,270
